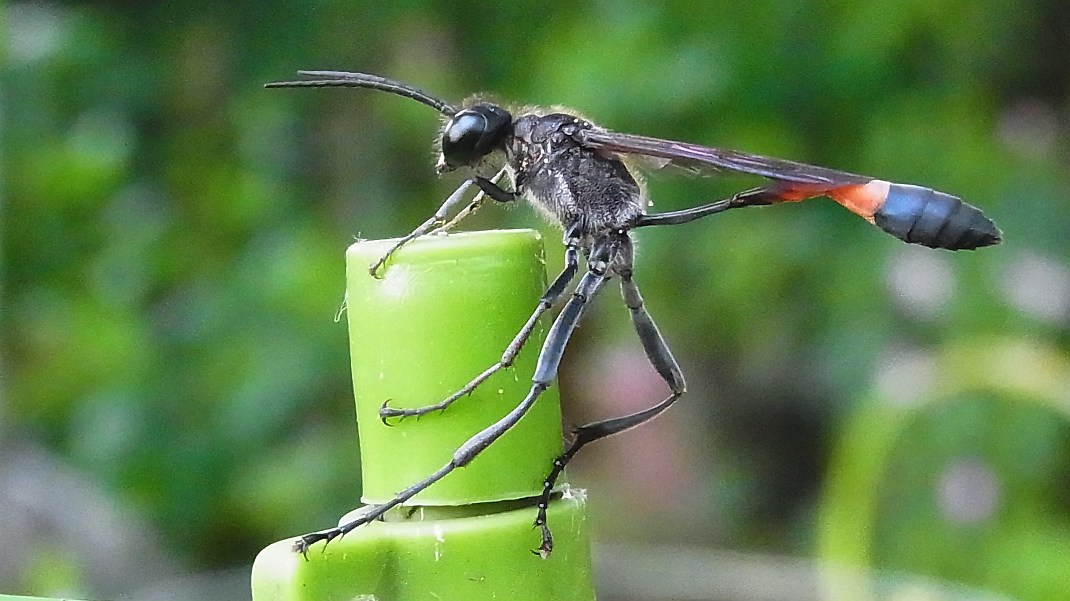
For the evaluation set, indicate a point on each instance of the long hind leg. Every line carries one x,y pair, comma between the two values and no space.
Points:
545,372
657,351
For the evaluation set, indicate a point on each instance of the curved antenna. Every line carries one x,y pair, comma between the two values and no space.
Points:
345,79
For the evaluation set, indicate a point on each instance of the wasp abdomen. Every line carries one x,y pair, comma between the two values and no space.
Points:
934,219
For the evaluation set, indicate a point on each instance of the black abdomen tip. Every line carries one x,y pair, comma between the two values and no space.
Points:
934,219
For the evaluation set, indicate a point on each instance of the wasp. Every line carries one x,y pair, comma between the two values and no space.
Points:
576,172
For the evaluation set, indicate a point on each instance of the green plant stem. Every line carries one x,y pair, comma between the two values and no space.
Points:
443,311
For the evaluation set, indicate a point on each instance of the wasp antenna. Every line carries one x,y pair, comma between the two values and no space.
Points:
347,79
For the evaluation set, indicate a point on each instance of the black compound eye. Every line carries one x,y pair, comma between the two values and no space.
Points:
461,137
474,133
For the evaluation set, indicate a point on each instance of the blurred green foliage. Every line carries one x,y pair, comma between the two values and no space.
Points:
961,477
173,233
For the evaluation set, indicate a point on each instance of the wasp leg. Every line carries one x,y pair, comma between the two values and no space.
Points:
432,222
476,204
548,299
657,351
495,191
437,222
749,198
545,372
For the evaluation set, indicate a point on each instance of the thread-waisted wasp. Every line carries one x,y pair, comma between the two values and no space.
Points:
574,171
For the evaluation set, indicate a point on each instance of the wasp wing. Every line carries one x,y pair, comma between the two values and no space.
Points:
911,213
694,157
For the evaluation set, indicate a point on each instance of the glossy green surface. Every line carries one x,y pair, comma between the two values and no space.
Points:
22,598
466,559
443,311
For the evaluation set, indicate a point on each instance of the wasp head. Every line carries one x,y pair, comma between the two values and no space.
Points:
472,134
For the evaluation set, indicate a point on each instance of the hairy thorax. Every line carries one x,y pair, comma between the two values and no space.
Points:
571,184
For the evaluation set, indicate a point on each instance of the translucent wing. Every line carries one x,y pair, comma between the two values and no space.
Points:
704,158
911,213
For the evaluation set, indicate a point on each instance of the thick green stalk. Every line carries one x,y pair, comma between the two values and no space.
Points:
443,311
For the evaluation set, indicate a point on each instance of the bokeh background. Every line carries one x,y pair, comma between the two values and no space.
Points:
175,389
